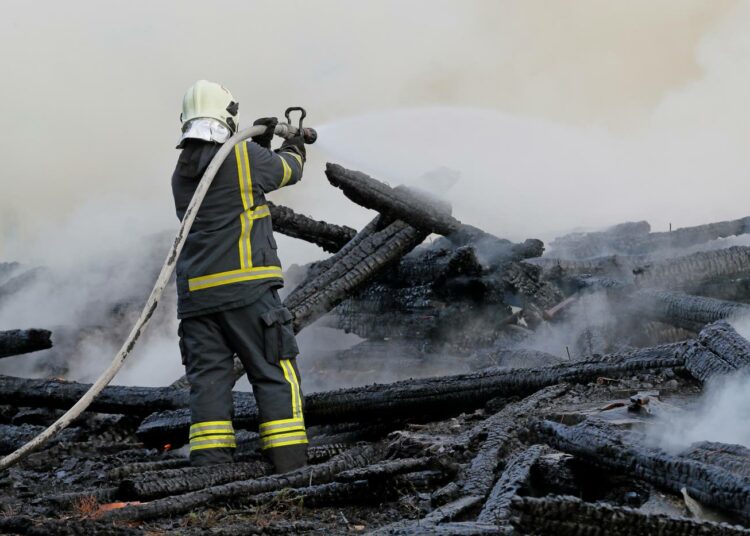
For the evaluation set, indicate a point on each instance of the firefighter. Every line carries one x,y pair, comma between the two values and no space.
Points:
228,276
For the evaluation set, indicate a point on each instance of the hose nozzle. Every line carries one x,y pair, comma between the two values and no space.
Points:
287,130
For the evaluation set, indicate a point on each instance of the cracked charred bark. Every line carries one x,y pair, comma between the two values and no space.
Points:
634,238
719,350
603,445
316,297
691,269
113,399
242,490
24,341
683,310
424,213
328,236
434,397
156,484
514,478
570,516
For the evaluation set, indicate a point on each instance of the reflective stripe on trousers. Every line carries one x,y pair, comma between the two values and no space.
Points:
212,435
284,432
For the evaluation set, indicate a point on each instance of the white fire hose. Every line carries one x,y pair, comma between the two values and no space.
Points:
284,130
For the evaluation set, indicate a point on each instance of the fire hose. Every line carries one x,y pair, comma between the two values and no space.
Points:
285,130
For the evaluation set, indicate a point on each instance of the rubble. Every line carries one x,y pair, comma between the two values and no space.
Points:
520,432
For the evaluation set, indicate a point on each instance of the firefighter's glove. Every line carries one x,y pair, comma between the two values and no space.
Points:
295,144
264,140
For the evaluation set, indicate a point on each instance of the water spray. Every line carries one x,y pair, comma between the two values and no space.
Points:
284,130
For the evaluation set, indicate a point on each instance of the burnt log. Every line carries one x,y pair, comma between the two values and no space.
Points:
514,478
603,445
386,469
366,258
241,491
62,394
33,526
24,341
14,437
682,310
570,516
634,238
733,458
424,212
678,272
156,484
119,473
427,397
328,236
590,244
719,350
428,215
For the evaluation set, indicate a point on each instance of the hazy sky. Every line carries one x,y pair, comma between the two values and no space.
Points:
91,91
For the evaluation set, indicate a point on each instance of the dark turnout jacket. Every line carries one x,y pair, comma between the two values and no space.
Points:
229,259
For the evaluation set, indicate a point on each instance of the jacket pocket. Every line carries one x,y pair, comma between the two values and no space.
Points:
278,335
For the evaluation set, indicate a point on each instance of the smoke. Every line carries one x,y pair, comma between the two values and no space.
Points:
722,414
555,116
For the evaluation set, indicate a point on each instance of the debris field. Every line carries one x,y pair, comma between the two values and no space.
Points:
537,376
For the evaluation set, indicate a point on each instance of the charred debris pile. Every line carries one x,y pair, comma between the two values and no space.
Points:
562,366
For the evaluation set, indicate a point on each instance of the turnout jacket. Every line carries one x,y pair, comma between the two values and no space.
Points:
229,259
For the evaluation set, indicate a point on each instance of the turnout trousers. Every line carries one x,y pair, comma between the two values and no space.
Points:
262,337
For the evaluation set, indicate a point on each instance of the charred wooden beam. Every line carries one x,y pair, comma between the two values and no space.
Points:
634,238
240,491
24,341
424,213
33,526
119,473
113,399
328,236
414,208
386,469
682,310
591,244
514,478
157,484
13,437
719,350
690,269
570,516
442,396
604,445
355,267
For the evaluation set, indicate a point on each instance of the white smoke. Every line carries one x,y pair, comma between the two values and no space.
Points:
556,116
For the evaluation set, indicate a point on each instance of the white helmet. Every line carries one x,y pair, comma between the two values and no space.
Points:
209,112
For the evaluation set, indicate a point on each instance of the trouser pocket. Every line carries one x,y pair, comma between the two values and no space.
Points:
278,335
183,349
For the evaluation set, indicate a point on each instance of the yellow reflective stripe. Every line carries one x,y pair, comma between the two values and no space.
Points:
297,157
287,429
213,443
262,211
269,425
291,377
200,425
211,431
234,276
240,176
246,222
294,438
248,178
287,172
